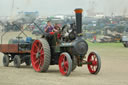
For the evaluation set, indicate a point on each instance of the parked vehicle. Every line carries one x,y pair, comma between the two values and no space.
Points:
125,37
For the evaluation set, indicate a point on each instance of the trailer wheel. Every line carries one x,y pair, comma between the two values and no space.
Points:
17,61
74,63
94,63
6,60
40,55
65,64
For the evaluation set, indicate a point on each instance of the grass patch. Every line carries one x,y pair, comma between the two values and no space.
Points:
111,45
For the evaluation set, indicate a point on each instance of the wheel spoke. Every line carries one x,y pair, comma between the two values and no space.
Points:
62,68
91,59
95,62
92,68
64,59
66,63
94,57
39,66
95,67
40,45
40,49
37,49
66,67
36,45
33,53
37,61
42,54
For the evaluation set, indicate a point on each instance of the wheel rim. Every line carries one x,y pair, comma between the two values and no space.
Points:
63,64
37,55
92,58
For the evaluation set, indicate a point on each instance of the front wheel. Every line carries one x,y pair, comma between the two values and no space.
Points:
65,64
94,63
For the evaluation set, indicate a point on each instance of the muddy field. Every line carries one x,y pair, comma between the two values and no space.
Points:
114,70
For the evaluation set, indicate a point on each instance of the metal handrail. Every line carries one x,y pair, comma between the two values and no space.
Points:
39,27
22,31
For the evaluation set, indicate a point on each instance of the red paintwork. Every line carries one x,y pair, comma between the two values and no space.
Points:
78,10
59,36
63,64
37,62
92,67
52,33
7,48
11,48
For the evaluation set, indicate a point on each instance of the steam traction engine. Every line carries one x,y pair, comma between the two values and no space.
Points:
67,51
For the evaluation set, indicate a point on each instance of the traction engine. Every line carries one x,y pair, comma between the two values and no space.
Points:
66,48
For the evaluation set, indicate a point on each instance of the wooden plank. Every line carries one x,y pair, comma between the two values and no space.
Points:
9,48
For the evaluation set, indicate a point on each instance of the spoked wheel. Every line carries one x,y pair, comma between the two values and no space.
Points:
17,61
6,60
40,55
94,63
65,64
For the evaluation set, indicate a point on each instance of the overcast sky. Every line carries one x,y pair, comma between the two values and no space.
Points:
51,7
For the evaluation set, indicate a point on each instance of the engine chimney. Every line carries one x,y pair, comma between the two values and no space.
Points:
78,12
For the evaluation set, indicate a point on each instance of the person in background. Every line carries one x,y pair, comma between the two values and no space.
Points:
48,28
94,39
56,28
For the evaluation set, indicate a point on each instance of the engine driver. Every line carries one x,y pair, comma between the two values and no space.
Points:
50,28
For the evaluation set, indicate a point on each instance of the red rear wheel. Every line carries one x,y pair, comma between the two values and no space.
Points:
94,63
40,57
37,55
65,64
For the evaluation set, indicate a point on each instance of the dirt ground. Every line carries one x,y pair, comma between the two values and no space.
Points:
114,71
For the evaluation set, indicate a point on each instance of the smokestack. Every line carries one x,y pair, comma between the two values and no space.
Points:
78,12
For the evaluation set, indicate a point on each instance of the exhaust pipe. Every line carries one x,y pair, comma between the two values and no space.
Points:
78,13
